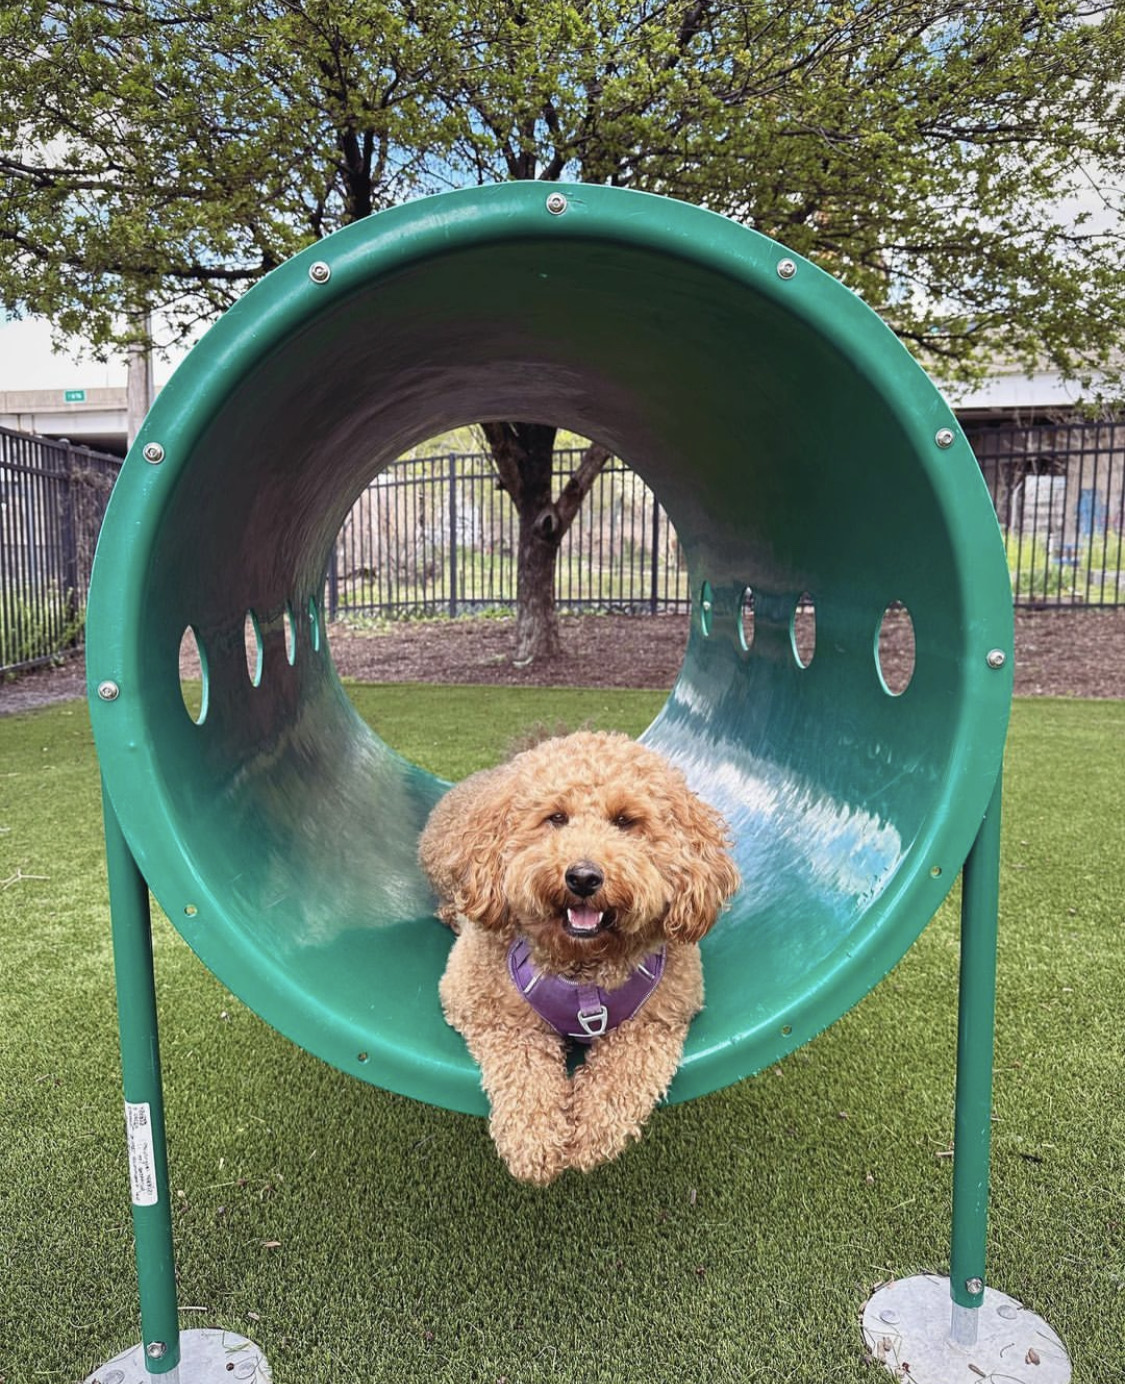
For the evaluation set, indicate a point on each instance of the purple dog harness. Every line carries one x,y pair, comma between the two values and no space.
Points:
568,1006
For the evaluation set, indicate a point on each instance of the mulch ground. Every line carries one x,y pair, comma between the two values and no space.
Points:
1071,653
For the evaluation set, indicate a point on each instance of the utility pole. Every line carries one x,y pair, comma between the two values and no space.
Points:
139,392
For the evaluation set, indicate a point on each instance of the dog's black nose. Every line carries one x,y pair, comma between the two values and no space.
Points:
584,879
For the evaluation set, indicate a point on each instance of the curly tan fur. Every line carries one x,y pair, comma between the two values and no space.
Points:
497,849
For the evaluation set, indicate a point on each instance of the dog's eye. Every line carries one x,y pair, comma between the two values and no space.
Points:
623,821
557,819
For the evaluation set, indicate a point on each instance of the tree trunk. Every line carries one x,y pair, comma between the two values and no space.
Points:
524,457
537,616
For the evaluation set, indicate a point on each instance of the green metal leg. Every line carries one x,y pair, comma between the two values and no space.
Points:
975,1039
144,1101
989,1334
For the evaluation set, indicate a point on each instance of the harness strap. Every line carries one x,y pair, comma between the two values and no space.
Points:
580,1011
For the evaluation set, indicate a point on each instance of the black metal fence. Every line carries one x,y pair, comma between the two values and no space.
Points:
52,498
437,535
1059,492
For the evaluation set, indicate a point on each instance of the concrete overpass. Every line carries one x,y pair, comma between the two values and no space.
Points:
91,417
98,417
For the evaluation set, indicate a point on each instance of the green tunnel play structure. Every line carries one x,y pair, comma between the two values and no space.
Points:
799,451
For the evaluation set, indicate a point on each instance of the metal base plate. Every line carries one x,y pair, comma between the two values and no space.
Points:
906,1327
206,1357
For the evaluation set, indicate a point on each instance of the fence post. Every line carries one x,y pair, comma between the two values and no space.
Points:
334,582
654,592
452,473
68,521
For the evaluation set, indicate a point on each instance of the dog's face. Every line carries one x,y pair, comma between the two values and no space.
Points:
591,845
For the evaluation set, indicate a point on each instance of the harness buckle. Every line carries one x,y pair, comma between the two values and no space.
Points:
594,1021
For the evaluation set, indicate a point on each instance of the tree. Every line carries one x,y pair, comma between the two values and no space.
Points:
165,153
173,153
524,454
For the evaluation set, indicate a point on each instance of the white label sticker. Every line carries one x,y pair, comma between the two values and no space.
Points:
142,1154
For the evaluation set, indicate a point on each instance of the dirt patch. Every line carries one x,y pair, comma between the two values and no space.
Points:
598,651
1071,653
1058,653
42,686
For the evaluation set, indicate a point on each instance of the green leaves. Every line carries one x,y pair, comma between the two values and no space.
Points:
168,152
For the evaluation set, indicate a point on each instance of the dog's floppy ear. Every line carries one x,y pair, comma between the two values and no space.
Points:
704,874
460,848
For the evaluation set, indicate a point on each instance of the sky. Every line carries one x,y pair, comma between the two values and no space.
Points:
28,362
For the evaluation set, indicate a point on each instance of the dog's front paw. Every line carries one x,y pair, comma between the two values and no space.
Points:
597,1143
617,1088
524,1076
534,1151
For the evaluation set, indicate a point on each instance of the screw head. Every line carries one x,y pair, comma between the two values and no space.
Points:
153,452
944,438
108,691
556,204
974,1286
997,658
786,268
320,272
156,1350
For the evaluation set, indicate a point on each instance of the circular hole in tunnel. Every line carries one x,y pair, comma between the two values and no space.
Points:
896,649
746,620
289,621
802,630
314,624
194,678
706,608
252,643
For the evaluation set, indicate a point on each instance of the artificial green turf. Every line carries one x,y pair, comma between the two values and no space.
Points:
362,1237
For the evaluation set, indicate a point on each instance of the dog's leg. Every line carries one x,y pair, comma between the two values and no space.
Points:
617,1087
629,1070
522,1060
524,1076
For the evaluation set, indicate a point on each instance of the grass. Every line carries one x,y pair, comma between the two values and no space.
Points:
362,1237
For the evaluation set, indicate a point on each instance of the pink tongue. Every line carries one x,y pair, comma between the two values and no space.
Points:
584,919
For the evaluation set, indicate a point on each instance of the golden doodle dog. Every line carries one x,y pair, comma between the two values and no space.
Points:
580,875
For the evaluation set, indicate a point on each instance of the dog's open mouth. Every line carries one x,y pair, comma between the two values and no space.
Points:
583,921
